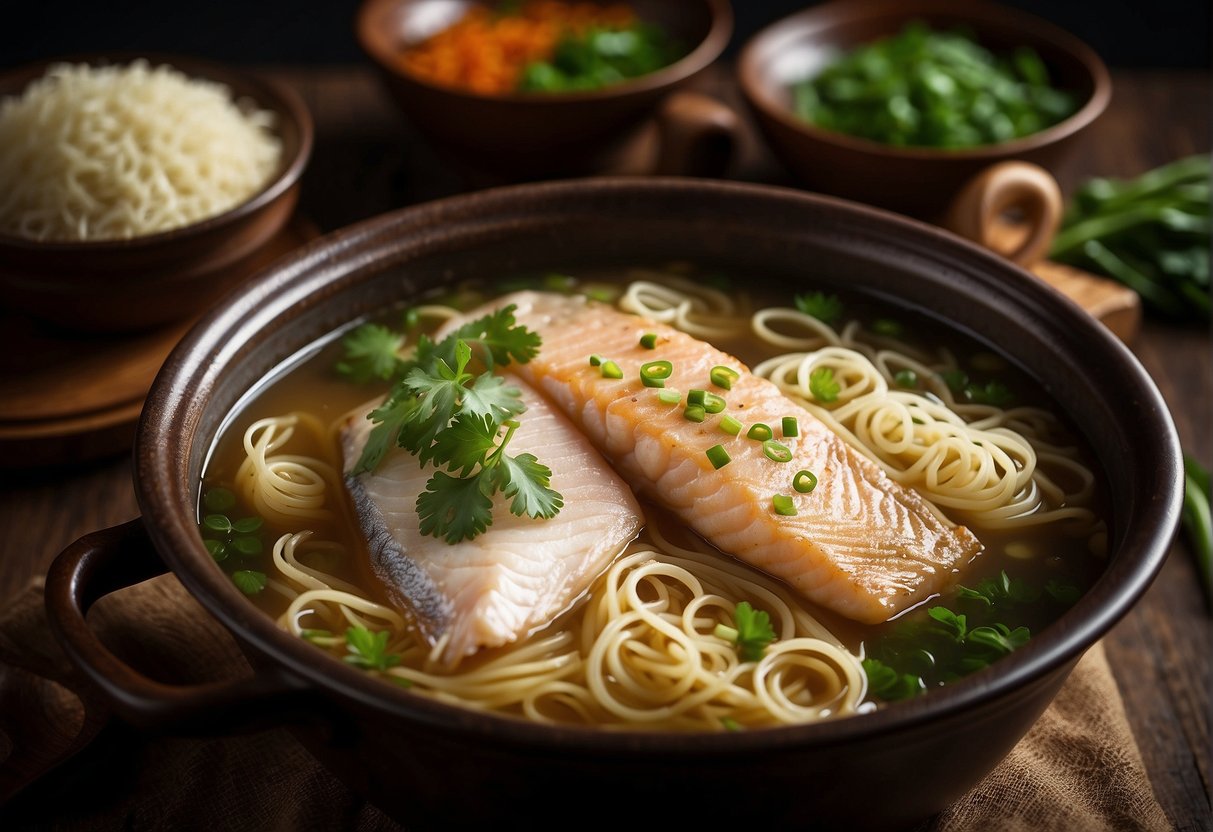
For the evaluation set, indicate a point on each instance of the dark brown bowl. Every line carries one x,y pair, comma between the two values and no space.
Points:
434,765
534,135
917,181
112,285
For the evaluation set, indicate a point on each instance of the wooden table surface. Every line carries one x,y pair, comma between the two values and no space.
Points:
367,160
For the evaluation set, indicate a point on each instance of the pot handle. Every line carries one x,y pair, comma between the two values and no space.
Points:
698,136
108,560
977,210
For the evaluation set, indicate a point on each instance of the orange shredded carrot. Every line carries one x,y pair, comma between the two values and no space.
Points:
486,52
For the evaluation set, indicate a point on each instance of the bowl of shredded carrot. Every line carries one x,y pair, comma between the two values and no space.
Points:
537,88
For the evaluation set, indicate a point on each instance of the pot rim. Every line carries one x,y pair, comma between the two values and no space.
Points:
177,397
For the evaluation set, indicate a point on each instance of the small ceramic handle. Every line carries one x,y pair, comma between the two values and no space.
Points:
977,210
108,560
698,136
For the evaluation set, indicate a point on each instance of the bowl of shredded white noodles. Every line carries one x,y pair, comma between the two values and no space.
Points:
132,187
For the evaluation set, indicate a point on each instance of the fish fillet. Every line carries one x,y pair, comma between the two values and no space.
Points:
519,574
861,544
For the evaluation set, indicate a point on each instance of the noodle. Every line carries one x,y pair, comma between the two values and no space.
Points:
94,153
642,647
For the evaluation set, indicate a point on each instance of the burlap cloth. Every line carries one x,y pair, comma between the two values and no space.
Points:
64,764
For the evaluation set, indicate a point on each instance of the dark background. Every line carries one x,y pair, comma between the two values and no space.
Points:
1126,33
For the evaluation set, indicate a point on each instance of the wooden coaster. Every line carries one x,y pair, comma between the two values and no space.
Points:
70,397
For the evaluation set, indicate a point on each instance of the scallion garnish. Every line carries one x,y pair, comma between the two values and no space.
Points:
611,370
730,425
790,427
783,505
713,403
694,413
905,378
718,456
649,340
696,397
759,432
776,452
891,329
723,377
670,397
595,360
654,373
804,481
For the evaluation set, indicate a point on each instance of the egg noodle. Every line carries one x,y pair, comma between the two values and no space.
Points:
641,649
110,152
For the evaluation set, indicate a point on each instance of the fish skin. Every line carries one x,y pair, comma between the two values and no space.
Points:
520,573
861,544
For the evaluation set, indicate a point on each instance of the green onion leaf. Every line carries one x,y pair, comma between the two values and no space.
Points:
696,397
730,425
670,397
718,456
713,403
694,413
760,432
906,378
595,360
723,377
654,373
790,427
804,481
783,505
611,370
649,340
776,451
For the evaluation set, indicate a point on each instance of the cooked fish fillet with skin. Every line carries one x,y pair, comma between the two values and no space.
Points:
521,572
860,543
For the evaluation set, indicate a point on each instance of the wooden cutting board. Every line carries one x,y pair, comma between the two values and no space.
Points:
68,397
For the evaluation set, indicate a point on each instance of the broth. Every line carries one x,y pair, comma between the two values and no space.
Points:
1028,575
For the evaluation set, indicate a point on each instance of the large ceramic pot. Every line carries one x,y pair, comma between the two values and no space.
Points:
435,765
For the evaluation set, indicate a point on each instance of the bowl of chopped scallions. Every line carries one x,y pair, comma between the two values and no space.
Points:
900,102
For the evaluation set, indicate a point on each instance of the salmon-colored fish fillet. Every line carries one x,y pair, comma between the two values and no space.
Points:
519,574
860,544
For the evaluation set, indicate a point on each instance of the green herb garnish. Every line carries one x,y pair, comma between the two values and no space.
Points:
649,340
823,307
752,631
718,456
905,378
599,57
372,353
654,373
368,650
760,432
1197,523
791,427
823,385
249,581
776,451
452,418
804,481
783,505
723,377
730,425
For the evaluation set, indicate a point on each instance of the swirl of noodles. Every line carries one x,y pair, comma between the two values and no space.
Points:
692,307
284,488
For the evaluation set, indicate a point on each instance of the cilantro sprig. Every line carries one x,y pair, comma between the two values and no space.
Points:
823,385
752,634
461,422
368,649
823,307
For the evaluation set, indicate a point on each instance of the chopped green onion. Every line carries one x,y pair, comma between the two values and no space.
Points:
694,413
760,432
730,724
696,397
723,377
655,373
713,403
670,397
776,452
649,340
730,425
905,378
783,505
595,360
718,456
883,326
611,370
804,481
790,427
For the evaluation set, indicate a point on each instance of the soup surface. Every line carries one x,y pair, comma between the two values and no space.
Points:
672,633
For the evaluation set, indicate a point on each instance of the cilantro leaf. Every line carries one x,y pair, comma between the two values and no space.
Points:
368,650
249,581
823,307
466,443
489,397
888,685
455,508
752,633
372,353
390,418
823,386
501,338
528,481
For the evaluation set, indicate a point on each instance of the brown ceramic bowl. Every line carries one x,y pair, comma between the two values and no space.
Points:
110,285
534,135
435,765
918,181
